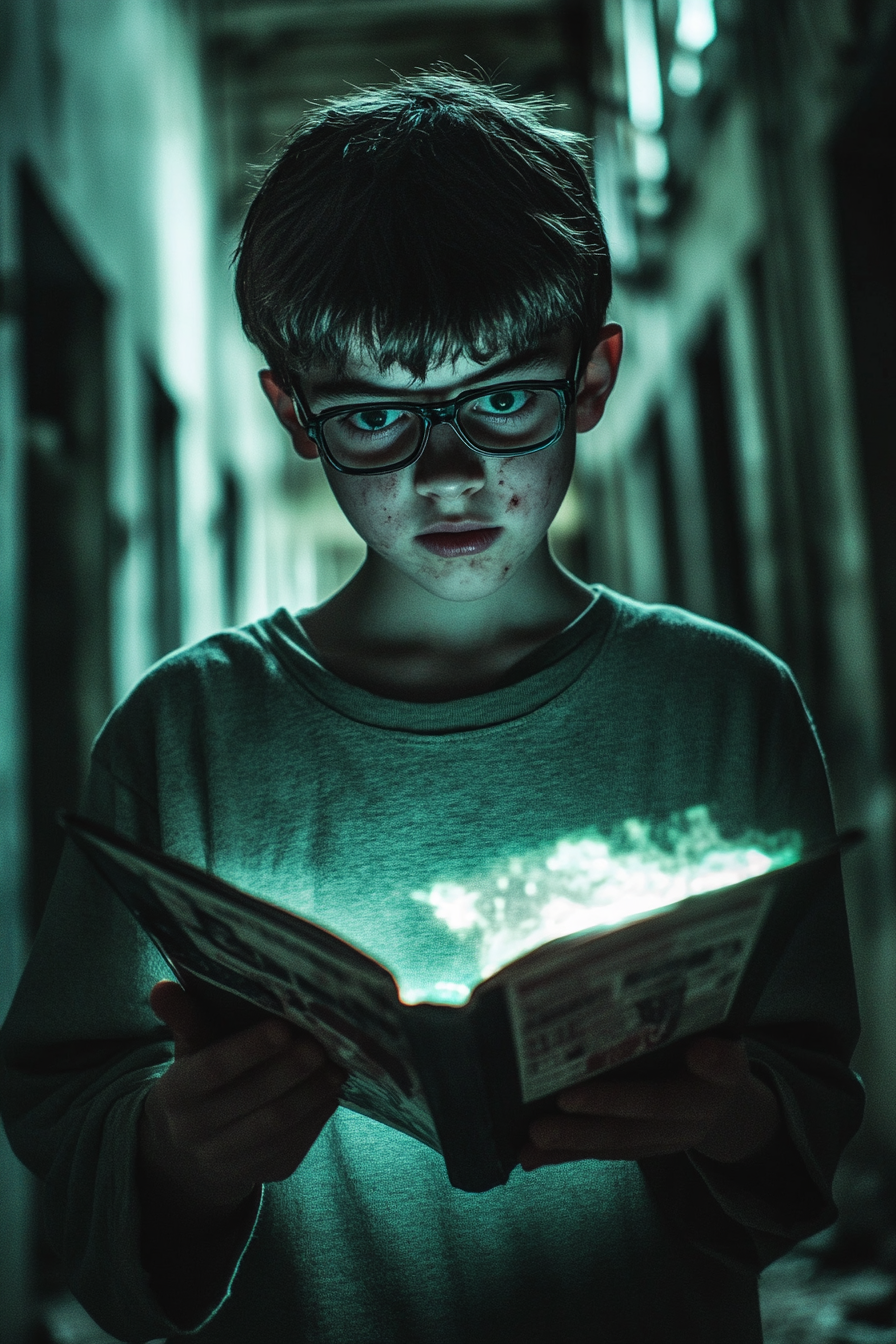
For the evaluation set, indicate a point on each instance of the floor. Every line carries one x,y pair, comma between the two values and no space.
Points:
839,1287
807,1301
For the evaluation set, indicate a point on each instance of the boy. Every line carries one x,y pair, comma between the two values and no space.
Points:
425,272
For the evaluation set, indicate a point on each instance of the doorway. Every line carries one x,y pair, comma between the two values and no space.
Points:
726,526
161,420
863,160
68,683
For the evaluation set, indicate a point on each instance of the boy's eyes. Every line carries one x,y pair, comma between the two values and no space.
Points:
505,402
376,419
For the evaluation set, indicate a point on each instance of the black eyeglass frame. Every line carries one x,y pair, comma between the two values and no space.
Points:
446,413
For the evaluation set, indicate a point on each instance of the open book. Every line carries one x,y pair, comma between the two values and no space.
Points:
466,1079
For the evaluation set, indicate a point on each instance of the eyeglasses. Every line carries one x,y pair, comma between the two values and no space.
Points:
505,420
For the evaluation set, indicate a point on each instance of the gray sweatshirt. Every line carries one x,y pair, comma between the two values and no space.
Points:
244,755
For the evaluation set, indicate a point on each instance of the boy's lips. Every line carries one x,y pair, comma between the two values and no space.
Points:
463,537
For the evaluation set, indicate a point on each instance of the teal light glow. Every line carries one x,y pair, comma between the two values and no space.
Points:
642,65
686,74
583,882
696,26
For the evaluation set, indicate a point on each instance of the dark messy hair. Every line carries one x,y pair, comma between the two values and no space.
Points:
434,217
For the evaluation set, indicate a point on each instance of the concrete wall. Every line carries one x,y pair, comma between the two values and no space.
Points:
102,100
102,103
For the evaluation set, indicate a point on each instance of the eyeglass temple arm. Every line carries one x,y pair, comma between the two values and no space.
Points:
581,366
303,412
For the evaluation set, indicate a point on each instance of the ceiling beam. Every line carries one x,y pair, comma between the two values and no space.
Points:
248,20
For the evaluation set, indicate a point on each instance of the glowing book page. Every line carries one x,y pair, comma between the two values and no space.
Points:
278,962
583,1005
580,883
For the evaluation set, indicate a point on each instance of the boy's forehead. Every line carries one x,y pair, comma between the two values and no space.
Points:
362,373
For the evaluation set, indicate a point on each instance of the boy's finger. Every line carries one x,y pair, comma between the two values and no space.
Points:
713,1067
224,1061
620,1149
267,1125
610,1138
280,1159
718,1060
636,1100
191,1027
273,1078
674,1099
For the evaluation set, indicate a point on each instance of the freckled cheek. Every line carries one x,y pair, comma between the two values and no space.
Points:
372,507
514,486
534,490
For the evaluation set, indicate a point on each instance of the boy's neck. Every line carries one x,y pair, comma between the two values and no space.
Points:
388,634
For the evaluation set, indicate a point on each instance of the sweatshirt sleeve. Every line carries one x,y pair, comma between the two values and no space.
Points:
78,1052
800,1041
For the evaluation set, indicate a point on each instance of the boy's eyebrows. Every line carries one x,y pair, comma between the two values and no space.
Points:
343,388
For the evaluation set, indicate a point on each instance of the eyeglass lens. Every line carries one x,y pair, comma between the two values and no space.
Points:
511,420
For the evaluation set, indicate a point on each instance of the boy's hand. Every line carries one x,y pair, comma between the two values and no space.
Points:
713,1105
229,1114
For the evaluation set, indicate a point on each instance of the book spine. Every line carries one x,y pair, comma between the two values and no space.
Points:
467,1068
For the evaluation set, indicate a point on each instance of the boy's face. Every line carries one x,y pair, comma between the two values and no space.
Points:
458,523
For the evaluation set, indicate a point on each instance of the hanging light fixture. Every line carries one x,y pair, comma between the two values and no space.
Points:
696,26
642,66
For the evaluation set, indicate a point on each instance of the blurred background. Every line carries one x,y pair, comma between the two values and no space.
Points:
745,161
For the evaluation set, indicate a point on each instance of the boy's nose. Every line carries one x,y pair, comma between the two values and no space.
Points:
448,468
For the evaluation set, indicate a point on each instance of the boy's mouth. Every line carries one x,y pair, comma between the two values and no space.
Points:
458,538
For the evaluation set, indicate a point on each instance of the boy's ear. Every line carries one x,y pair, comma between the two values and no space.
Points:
285,412
597,381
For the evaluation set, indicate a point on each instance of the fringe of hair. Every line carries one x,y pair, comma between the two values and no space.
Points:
418,222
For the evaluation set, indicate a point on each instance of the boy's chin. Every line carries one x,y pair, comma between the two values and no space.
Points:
454,582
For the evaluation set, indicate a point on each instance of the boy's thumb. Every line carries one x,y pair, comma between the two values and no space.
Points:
189,1025
717,1060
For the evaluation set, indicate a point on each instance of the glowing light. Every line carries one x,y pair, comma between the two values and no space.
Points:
696,26
686,74
616,208
586,881
651,157
642,65
449,992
